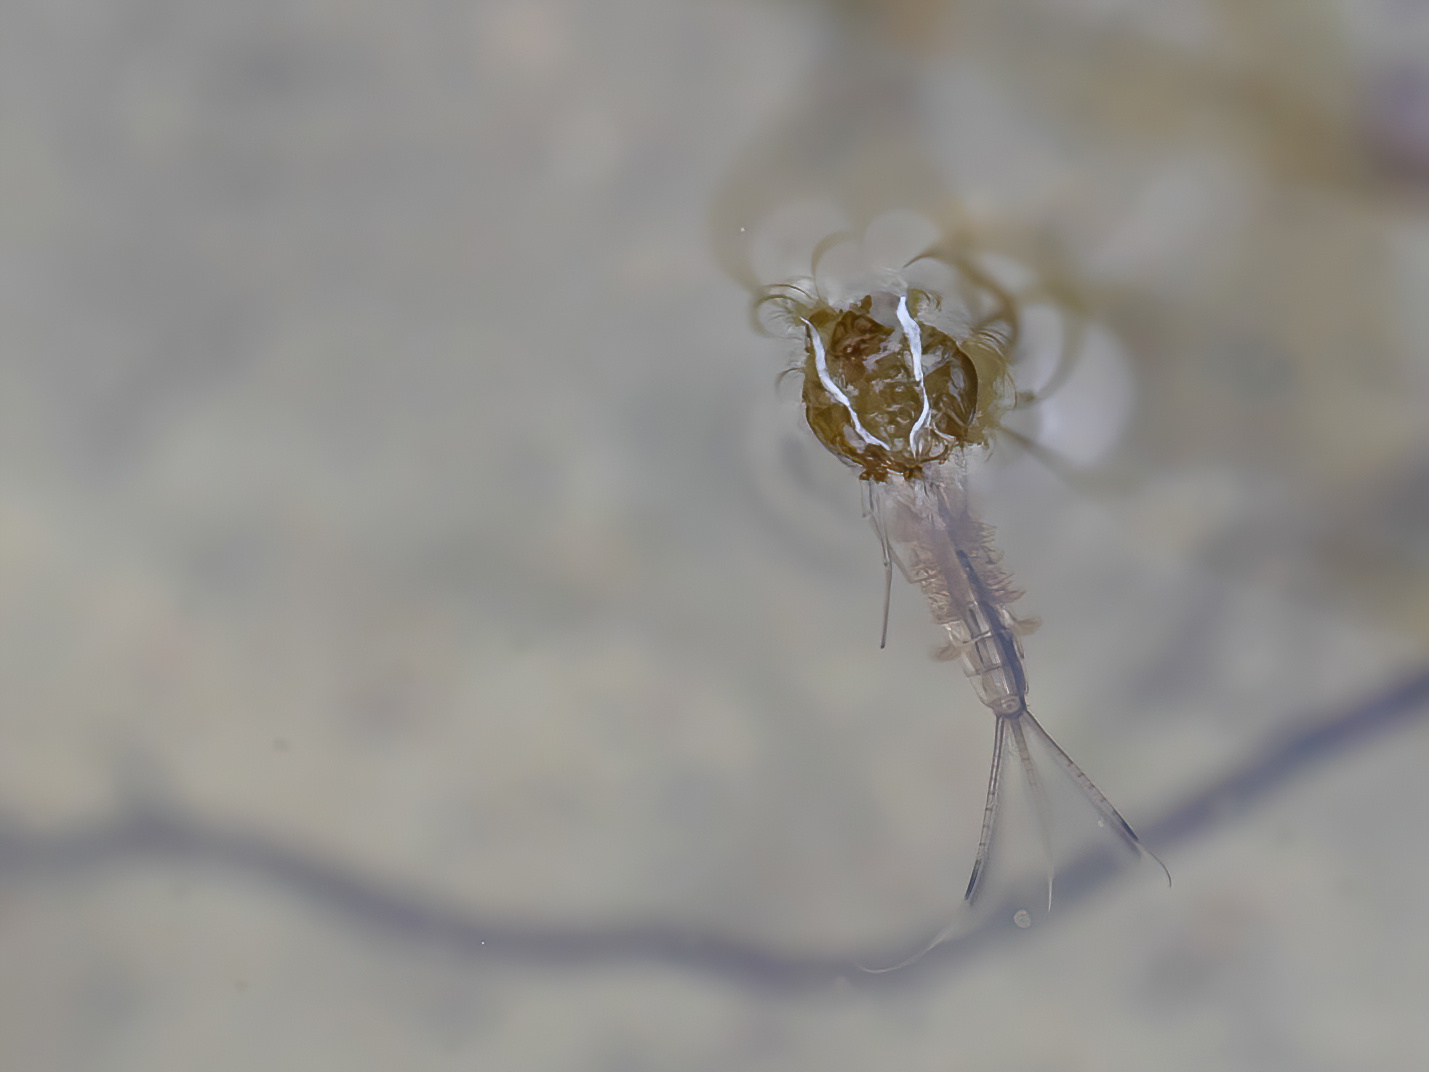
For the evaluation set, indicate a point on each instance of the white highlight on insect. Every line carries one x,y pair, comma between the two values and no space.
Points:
822,366
914,335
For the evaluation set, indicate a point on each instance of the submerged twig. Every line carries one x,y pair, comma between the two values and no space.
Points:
151,831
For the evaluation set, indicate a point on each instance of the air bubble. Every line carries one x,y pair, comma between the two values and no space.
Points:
1022,918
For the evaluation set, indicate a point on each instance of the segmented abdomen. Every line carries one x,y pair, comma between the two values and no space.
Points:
984,642
947,553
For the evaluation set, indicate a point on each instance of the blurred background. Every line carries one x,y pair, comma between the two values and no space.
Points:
429,643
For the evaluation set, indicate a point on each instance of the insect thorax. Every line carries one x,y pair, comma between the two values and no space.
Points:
889,397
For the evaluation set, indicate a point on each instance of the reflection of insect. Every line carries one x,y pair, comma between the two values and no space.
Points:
904,388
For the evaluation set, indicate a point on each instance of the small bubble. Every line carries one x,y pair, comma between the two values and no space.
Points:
1101,823
1022,918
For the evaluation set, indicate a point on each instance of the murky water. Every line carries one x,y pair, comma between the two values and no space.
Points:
428,643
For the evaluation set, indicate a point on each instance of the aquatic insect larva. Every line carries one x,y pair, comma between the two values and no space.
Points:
906,392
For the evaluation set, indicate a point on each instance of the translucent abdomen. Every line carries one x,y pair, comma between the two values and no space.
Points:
949,555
